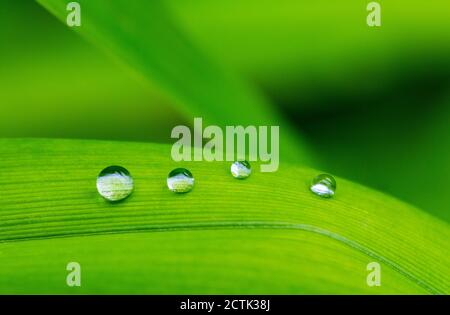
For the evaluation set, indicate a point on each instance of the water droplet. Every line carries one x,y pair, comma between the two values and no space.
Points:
241,169
180,180
114,183
323,185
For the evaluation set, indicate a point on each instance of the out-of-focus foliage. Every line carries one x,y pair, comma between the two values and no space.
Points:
193,80
305,51
55,84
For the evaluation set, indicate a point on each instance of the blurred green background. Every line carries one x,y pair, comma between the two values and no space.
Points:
372,104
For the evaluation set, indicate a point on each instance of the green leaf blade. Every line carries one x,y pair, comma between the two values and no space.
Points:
49,194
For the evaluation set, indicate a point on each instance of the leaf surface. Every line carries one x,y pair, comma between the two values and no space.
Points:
266,234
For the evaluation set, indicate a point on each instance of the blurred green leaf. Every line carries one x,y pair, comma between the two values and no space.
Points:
298,50
55,84
146,37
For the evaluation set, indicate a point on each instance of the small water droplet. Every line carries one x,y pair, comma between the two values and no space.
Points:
180,180
241,169
115,183
323,185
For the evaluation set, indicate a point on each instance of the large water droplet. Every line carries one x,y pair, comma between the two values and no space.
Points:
241,169
180,180
114,183
323,185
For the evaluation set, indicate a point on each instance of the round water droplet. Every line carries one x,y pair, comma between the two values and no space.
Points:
114,183
323,185
180,180
241,169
